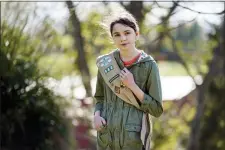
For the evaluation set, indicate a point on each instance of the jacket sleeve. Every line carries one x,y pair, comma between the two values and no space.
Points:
99,93
152,102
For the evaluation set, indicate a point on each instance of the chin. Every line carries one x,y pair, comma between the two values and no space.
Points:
124,48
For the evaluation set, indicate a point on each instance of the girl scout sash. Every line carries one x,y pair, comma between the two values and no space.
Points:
110,71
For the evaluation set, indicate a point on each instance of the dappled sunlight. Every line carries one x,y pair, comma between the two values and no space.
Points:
173,87
48,72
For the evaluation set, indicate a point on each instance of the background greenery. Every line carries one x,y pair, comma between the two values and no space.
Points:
34,50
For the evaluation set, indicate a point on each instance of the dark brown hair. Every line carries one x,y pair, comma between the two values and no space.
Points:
124,21
123,17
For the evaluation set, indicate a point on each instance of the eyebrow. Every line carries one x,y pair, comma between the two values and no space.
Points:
124,31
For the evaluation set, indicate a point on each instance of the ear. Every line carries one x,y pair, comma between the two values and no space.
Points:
137,35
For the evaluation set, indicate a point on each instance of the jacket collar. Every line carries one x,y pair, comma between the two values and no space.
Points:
143,58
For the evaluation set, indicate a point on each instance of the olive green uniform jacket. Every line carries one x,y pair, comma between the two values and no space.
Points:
123,127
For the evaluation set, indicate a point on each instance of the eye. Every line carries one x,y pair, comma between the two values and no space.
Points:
126,33
116,35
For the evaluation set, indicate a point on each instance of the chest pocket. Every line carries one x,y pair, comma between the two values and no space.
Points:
140,72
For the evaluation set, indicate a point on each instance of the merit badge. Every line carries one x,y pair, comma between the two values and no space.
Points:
117,89
122,85
105,61
108,69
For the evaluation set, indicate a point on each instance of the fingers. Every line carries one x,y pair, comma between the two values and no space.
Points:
99,123
122,76
103,121
126,70
123,73
98,126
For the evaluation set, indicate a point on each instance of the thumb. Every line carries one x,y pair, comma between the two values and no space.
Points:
103,121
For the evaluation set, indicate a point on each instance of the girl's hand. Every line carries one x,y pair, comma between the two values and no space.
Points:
99,122
127,77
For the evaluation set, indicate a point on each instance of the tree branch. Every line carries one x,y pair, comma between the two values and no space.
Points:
159,6
181,59
199,12
125,6
174,28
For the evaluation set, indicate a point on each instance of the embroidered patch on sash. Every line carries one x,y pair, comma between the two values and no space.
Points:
122,85
117,89
108,69
114,78
104,61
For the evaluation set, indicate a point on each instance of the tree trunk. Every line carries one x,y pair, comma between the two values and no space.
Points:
164,23
223,40
202,89
81,61
195,127
135,8
214,69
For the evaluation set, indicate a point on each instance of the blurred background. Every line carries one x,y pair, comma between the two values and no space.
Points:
48,72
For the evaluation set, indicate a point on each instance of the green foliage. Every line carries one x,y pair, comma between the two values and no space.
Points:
191,36
30,113
97,41
213,122
171,130
59,64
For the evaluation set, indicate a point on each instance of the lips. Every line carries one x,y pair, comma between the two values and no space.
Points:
124,44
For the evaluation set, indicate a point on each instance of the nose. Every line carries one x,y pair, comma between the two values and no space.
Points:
123,38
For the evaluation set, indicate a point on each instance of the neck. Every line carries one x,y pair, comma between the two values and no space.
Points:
128,55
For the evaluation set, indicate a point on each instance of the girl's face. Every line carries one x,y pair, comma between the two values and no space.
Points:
124,37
